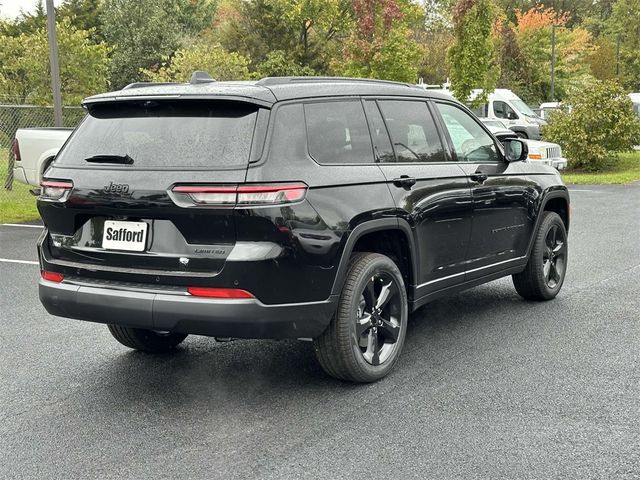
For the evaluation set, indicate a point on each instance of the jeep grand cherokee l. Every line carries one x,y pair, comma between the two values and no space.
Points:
322,209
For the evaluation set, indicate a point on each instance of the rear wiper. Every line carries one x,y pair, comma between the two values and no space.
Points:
121,159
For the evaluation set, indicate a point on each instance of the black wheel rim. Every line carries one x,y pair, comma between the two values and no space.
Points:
379,319
554,258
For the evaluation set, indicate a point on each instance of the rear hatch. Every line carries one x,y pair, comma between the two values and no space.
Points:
131,165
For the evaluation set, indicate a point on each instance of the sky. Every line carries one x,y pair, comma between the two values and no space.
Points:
11,8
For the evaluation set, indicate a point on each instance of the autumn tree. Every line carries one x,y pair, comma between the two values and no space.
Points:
381,44
573,45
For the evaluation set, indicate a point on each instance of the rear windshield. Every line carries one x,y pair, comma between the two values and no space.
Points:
165,134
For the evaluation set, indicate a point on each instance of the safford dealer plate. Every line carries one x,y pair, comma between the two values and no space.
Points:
128,236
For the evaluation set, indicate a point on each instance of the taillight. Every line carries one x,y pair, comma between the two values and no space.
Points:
15,148
219,292
52,276
56,190
242,195
202,195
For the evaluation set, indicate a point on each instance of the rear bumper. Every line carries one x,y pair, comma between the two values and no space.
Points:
180,312
19,173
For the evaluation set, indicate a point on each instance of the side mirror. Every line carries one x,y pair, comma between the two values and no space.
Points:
515,150
512,116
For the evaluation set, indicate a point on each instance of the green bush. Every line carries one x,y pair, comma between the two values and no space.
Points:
599,123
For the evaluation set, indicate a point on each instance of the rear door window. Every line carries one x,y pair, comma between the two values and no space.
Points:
412,130
166,134
381,141
337,132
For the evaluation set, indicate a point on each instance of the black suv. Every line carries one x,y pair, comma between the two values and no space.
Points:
321,209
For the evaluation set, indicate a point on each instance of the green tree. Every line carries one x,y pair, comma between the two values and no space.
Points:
473,55
602,60
307,30
433,65
144,32
26,22
382,44
219,63
279,64
625,23
26,77
84,15
600,123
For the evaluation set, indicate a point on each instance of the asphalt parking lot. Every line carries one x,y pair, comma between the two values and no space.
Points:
489,385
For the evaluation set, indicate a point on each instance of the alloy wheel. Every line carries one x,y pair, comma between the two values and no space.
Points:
378,319
554,257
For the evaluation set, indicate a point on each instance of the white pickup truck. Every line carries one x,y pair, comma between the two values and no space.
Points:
34,150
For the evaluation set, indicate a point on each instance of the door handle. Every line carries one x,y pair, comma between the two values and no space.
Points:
405,181
478,177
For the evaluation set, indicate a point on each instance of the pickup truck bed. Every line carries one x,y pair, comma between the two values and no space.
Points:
36,149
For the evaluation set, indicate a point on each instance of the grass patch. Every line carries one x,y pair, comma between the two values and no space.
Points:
625,170
16,205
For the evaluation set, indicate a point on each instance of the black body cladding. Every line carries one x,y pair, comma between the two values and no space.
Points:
397,177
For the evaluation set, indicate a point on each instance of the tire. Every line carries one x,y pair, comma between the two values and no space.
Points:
544,274
522,135
144,340
365,337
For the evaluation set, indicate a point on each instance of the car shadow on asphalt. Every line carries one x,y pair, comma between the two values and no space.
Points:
249,372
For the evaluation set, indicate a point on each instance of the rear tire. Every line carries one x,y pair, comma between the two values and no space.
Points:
544,274
144,340
365,337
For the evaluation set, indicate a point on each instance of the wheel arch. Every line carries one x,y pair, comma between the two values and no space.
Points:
556,200
378,236
560,205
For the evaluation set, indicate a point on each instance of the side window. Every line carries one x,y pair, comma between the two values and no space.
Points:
503,110
413,131
470,141
381,142
337,132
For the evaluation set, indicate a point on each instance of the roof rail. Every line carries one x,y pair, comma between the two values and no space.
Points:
267,81
200,76
146,84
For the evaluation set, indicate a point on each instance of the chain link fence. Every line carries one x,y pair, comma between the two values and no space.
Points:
16,202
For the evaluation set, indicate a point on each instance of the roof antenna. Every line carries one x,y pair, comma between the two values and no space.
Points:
200,76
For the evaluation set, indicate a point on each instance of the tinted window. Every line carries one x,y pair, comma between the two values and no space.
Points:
381,142
413,131
470,141
337,132
166,134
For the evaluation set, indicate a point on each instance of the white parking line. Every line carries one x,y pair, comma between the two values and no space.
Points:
26,262
20,225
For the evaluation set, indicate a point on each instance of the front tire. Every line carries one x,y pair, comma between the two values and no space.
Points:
544,274
145,340
365,337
